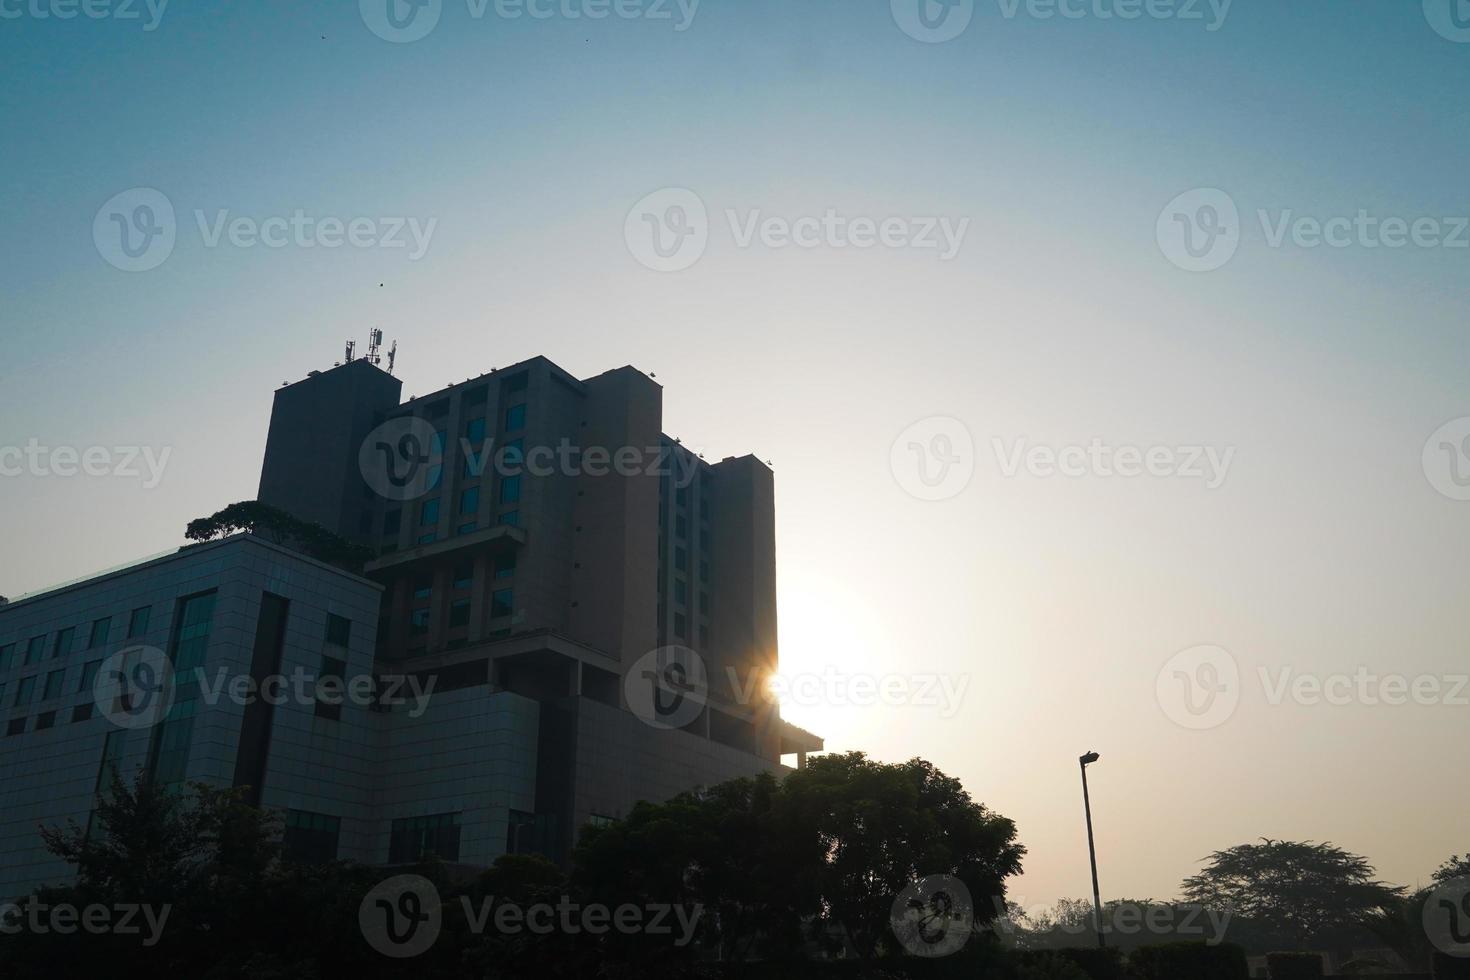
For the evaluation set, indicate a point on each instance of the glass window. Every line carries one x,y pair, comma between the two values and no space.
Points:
681,559
413,838
7,656
502,602
423,588
459,612
681,527
510,490
466,528
332,667
469,501
515,418
704,572
429,538
474,430
512,455
53,685
25,690
392,521
681,592
82,712
339,630
418,622
34,649
100,629
518,381
464,576
505,566
429,512
168,752
17,726
681,624
62,646
511,518
89,675
138,621
45,720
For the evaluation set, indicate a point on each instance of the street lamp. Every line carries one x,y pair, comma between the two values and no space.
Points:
1086,760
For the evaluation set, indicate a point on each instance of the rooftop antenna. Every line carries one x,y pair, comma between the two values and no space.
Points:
392,356
351,351
375,341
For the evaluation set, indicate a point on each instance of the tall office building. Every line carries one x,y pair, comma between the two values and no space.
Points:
584,605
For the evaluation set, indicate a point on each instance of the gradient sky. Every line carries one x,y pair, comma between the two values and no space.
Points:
1060,320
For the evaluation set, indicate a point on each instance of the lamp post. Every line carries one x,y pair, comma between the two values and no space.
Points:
1091,848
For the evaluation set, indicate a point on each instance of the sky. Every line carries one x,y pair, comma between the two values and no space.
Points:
1142,262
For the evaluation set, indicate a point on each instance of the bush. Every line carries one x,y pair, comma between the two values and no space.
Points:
1189,961
1293,966
1448,967
1098,963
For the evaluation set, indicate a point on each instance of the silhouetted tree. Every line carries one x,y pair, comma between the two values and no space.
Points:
1400,927
881,827
1455,867
1311,895
279,527
830,847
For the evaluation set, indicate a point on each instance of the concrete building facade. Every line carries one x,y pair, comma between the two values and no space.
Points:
538,543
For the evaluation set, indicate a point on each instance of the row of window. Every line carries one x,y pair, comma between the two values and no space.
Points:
502,604
63,641
47,719
314,837
53,687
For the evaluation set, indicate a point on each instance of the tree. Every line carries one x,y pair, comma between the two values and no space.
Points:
198,857
279,527
1400,927
1455,867
883,827
1308,894
830,848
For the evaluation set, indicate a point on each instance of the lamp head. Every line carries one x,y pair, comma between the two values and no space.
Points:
1089,758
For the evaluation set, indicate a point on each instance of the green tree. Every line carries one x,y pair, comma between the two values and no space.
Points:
881,827
1310,895
828,849
279,527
